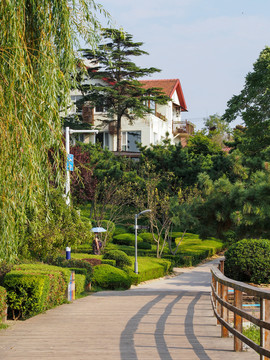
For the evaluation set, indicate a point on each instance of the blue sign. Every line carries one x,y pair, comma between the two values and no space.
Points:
70,162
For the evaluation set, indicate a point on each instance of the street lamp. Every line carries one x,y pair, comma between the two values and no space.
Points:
136,228
68,133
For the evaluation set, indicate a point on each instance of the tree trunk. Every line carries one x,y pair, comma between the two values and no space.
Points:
119,135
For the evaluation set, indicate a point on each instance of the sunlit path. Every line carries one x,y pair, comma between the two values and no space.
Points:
168,319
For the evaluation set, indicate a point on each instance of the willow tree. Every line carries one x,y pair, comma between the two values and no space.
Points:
37,41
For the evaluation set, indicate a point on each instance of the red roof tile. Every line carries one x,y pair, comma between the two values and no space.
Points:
168,86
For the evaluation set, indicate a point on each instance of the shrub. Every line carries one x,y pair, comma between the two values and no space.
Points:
229,237
109,277
5,267
26,293
80,283
150,268
126,239
119,230
144,245
3,303
33,288
121,258
249,260
72,263
108,262
148,238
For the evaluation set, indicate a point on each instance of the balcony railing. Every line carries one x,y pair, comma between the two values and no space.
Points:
183,127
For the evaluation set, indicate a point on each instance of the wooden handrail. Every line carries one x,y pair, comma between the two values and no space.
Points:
221,306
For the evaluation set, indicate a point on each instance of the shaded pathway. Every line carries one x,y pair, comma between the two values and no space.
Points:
168,319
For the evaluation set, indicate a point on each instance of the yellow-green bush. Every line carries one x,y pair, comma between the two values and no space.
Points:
34,288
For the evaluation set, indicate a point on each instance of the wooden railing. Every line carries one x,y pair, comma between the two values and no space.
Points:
222,307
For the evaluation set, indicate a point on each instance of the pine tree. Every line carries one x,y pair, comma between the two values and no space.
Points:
122,94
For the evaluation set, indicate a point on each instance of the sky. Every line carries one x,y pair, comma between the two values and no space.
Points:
209,45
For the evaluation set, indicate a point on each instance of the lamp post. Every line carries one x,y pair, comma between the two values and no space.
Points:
68,133
136,228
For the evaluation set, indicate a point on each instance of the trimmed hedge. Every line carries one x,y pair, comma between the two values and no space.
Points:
249,260
80,283
72,263
121,258
151,268
3,303
126,239
109,277
34,288
108,262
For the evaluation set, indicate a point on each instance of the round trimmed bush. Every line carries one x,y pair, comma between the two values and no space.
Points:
148,237
119,230
249,260
126,239
109,277
120,257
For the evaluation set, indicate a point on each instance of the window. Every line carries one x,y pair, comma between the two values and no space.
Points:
124,141
104,139
152,105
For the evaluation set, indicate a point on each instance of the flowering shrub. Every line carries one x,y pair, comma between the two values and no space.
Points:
3,302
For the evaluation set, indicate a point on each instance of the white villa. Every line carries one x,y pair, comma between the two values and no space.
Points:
152,129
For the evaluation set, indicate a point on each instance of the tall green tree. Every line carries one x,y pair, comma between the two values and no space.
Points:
217,129
253,106
36,57
122,94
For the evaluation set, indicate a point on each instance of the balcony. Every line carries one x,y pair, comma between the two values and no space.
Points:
183,128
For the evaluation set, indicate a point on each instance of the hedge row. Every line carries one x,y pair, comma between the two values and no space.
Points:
3,303
34,288
150,268
109,277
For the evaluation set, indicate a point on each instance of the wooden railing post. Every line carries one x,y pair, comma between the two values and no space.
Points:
265,334
238,299
218,307
224,311
214,289
221,266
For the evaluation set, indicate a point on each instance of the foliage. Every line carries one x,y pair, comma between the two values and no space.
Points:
3,303
120,230
119,256
33,288
72,263
63,228
122,94
109,277
80,283
27,293
151,268
148,237
144,245
36,60
253,106
126,239
249,260
5,267
253,333
222,205
218,130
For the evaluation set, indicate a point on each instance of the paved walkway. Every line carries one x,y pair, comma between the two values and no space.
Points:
168,319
